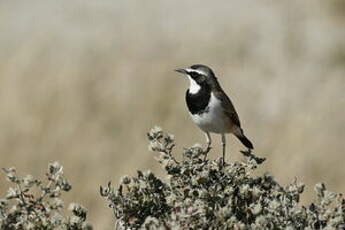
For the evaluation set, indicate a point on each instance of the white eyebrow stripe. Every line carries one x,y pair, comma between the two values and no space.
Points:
196,71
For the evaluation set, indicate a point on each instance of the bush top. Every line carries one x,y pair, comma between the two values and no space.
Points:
203,194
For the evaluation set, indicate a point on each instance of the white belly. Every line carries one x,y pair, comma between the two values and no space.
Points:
214,120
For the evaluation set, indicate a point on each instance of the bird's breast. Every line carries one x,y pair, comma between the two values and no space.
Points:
213,118
197,102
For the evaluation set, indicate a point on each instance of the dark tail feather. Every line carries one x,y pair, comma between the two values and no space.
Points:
245,141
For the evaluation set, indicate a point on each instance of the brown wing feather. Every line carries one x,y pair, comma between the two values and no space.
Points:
229,108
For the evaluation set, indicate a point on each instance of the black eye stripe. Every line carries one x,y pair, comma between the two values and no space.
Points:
194,74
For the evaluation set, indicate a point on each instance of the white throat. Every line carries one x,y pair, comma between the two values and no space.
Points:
193,87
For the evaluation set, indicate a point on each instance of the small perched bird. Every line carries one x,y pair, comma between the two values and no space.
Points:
210,108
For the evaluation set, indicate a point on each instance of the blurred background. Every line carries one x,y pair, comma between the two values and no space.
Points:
81,82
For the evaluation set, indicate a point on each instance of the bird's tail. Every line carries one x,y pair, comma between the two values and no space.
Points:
245,141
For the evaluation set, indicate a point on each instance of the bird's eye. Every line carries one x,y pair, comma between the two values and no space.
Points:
194,75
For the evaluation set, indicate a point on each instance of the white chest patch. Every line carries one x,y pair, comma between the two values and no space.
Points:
193,87
214,120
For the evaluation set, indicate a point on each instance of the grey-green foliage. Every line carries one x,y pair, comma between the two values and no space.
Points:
32,204
199,194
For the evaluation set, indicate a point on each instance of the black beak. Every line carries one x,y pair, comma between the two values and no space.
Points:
183,71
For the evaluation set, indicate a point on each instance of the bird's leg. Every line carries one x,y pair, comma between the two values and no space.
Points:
208,141
223,144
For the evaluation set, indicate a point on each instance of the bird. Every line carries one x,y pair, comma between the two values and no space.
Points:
210,108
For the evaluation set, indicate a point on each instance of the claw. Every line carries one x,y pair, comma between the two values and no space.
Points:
206,151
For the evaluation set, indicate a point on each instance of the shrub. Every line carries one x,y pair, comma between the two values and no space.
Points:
204,194
32,204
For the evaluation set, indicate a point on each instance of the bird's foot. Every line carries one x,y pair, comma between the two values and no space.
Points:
223,163
220,163
206,151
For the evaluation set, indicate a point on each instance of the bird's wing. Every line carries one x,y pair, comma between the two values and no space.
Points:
229,108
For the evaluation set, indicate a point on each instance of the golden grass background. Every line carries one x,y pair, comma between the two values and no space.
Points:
82,81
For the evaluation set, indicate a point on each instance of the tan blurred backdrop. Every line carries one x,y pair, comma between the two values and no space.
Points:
82,81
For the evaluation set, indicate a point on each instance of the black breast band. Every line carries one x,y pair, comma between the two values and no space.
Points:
197,103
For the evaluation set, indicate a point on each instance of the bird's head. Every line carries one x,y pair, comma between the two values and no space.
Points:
199,76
